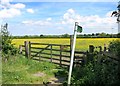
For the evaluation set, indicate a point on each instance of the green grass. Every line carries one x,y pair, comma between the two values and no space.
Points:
19,70
81,43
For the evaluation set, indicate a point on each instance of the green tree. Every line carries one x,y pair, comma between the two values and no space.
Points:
102,35
7,46
66,35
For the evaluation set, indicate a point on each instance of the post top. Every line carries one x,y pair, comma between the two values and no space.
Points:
76,23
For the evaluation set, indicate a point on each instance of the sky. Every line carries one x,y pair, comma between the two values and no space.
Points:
56,18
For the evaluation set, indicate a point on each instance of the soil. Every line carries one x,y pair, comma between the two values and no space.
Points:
57,80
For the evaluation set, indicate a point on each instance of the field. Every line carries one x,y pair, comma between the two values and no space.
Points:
20,70
81,44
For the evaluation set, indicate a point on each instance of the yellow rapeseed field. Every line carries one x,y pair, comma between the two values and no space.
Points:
81,43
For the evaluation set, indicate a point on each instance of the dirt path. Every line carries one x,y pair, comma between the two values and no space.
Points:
57,80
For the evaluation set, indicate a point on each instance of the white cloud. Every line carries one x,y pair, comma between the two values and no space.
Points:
71,11
30,10
9,13
49,19
93,21
5,1
69,14
18,6
27,22
65,0
12,10
38,23
5,4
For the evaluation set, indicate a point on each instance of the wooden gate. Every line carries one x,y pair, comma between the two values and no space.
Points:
55,53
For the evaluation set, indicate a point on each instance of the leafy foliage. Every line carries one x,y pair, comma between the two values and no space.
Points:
118,35
7,46
95,73
115,47
101,70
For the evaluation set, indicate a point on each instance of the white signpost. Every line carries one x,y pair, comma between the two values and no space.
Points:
77,28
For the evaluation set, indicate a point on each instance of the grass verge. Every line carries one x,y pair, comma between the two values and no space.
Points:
19,70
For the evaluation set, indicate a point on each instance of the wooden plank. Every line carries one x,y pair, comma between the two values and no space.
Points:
49,44
34,51
48,58
41,50
67,51
56,59
43,53
50,49
53,58
55,54
36,48
41,57
66,61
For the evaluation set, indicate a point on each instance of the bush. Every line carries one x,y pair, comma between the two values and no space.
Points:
95,73
7,46
118,35
99,72
115,47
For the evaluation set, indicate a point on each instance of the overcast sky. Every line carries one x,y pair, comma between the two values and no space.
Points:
38,17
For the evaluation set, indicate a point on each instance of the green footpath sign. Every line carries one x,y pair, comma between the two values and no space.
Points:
79,29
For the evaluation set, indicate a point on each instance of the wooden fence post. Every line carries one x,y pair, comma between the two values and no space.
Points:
51,52
100,49
105,48
60,55
71,43
85,57
20,49
29,49
91,48
90,54
26,49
